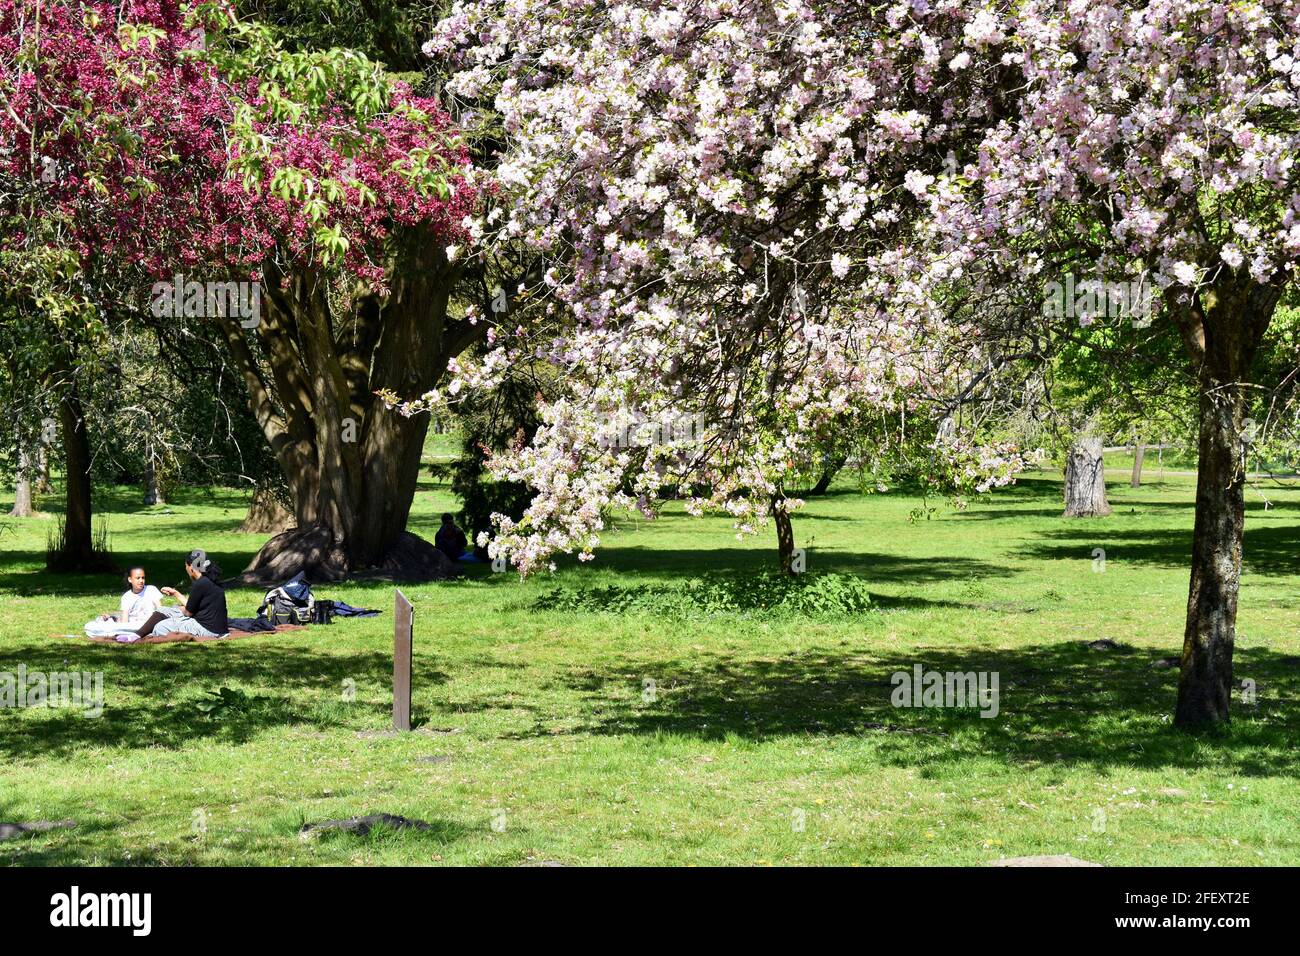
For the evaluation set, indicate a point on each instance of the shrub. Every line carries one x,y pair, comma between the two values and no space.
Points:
764,593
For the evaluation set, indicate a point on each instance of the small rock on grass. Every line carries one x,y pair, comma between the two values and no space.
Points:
10,831
1063,859
1165,663
1172,792
363,825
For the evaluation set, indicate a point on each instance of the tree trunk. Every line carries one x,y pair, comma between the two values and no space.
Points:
43,470
266,514
1222,328
22,485
828,475
1139,450
350,463
1205,684
152,493
78,551
1085,480
784,536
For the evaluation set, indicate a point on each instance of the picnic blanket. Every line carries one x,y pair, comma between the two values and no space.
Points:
177,638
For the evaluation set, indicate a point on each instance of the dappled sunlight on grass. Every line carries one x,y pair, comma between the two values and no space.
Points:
617,724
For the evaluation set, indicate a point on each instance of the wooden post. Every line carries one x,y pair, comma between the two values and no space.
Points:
403,635
1139,450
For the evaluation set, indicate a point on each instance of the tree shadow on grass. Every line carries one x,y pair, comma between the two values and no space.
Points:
188,532
152,694
808,515
648,562
1267,549
1059,705
1143,509
23,573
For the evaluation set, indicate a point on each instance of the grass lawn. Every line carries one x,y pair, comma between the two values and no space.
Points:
552,745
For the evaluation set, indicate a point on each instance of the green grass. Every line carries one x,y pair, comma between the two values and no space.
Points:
547,716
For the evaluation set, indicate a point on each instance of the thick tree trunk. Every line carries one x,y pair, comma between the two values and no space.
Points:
78,551
1205,685
22,485
411,356
1139,451
350,463
784,536
1085,480
1221,328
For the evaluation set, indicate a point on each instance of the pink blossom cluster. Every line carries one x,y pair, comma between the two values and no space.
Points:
137,155
1163,133
727,195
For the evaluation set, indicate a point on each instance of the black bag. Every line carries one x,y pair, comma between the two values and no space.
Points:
291,603
323,613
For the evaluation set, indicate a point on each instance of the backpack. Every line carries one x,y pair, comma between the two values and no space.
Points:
290,603
323,612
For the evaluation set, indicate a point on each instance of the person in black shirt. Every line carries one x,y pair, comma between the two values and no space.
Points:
450,540
203,614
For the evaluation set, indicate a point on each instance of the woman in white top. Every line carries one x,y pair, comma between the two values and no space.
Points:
139,601
137,606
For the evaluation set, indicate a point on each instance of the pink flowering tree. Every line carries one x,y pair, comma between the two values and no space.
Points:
103,151
1151,143
710,185
154,142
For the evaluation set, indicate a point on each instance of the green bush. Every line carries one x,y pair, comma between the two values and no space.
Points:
764,593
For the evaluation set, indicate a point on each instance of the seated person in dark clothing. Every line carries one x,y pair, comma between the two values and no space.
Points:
450,540
203,614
